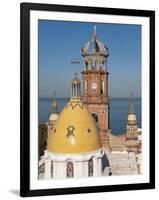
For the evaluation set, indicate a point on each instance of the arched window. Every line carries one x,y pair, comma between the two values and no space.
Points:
102,87
69,169
85,86
95,116
90,167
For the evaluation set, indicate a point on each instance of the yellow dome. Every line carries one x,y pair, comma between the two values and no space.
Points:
132,119
74,131
53,117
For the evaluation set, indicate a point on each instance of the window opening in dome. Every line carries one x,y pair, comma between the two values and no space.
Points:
95,117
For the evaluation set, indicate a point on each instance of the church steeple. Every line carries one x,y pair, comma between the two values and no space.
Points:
131,105
76,87
131,115
94,33
131,128
95,53
54,104
95,84
53,116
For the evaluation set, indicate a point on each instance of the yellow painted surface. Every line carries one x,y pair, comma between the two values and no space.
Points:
83,138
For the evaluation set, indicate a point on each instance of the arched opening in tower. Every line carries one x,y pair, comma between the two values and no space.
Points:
95,116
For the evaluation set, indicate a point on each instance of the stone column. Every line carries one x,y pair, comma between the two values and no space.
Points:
47,169
85,169
95,167
99,167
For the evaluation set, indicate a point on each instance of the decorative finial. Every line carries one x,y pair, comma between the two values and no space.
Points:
95,32
95,29
75,74
76,84
54,94
131,104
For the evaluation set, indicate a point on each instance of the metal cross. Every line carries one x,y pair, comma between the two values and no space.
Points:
75,61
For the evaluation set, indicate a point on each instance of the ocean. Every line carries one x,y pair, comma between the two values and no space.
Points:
118,112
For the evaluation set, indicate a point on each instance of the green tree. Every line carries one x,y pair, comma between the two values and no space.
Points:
42,138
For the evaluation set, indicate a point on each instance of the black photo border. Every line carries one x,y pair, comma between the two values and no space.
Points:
25,9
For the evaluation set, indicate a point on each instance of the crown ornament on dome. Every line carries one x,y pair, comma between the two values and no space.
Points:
95,46
76,87
95,36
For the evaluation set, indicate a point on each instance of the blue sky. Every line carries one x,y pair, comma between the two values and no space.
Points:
60,42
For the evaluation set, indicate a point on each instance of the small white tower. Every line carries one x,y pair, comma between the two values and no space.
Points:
131,121
54,116
132,142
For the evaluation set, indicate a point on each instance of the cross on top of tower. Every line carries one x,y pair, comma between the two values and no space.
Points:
75,62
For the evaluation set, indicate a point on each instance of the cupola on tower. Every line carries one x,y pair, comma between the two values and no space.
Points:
95,84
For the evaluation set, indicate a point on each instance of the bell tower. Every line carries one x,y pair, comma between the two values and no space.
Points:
95,85
133,144
54,116
131,121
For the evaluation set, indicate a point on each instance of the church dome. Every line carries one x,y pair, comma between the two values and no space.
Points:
132,119
95,47
53,117
131,116
74,131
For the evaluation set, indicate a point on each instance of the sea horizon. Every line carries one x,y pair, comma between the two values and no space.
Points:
119,108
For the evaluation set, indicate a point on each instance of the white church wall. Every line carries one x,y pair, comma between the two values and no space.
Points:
47,169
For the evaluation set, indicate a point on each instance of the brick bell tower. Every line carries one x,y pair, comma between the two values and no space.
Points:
95,85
